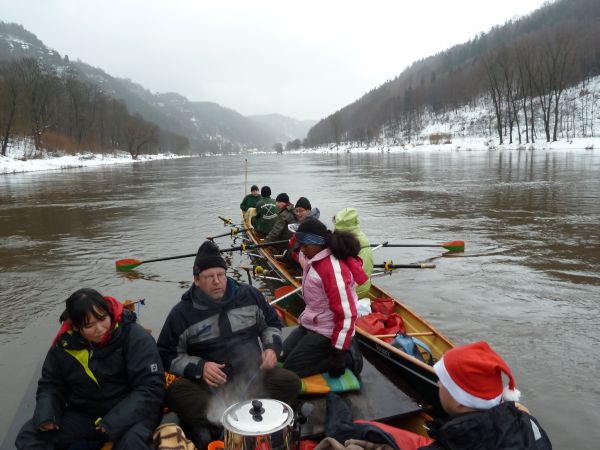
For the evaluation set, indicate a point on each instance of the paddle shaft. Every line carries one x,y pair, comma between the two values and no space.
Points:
283,297
129,264
405,245
245,247
405,266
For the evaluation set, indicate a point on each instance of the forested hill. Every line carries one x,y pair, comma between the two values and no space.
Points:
93,110
515,75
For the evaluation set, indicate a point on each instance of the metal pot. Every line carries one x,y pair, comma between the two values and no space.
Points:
260,424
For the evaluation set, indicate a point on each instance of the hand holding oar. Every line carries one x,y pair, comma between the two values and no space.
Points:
233,232
131,263
389,265
451,246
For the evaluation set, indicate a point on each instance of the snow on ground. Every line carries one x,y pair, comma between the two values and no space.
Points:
460,144
16,162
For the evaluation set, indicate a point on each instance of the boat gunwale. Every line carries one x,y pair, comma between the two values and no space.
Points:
283,271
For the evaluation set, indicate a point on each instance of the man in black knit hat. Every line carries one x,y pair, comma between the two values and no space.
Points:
223,340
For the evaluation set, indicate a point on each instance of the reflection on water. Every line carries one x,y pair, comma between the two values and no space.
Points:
528,281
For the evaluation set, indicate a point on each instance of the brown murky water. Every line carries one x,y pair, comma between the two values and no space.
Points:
529,282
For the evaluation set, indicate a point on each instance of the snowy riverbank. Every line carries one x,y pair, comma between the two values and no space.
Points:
15,162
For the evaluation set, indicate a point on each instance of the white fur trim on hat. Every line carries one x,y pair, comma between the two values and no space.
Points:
511,395
459,394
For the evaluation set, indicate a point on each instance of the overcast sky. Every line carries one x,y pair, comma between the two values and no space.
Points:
304,59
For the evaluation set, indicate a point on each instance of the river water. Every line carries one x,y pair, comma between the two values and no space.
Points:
529,281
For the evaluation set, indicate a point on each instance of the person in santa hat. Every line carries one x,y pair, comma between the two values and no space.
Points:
482,410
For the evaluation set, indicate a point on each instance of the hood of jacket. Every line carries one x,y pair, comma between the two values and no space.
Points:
118,314
347,220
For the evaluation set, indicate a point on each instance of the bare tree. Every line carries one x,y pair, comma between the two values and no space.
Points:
138,134
8,104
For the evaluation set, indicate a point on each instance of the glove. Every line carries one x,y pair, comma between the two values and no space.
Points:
336,365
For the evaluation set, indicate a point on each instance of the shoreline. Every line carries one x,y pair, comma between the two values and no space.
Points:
14,163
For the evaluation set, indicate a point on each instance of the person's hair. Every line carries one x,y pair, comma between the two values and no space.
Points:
82,303
265,191
253,188
343,244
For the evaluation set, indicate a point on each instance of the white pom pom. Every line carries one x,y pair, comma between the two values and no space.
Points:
511,395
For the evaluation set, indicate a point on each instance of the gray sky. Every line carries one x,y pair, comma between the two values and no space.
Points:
304,59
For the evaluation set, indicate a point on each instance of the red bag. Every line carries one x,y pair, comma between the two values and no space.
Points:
378,323
382,305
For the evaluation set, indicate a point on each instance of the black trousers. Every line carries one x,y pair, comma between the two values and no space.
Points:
307,353
79,429
200,405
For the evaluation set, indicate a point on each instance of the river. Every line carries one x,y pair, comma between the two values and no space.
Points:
528,283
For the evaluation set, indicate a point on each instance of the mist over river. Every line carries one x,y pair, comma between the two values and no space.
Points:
529,281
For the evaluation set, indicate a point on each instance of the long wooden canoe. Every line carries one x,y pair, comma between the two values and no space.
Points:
418,374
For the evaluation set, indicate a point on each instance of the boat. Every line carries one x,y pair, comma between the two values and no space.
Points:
418,374
383,397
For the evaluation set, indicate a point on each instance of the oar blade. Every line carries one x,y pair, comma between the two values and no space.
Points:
124,265
454,246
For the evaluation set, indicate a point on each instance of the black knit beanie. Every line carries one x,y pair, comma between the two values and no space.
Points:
208,256
283,197
303,203
265,191
313,226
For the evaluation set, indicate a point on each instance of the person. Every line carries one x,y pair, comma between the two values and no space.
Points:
102,380
481,408
223,339
302,210
251,199
331,270
266,212
347,220
285,217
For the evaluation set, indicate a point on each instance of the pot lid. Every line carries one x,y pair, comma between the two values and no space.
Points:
257,417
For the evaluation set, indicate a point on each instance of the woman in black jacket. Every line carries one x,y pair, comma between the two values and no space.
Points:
102,380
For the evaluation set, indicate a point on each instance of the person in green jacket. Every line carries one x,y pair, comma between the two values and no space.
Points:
285,216
347,220
251,199
266,212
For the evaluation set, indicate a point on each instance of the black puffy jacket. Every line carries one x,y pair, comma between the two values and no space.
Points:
121,382
503,427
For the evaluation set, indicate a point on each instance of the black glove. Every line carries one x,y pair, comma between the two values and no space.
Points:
336,365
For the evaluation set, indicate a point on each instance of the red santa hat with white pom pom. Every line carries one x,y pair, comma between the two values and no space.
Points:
472,374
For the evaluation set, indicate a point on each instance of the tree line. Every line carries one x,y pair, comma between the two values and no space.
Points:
519,72
59,111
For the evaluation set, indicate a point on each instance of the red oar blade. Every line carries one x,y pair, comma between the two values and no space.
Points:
454,246
124,265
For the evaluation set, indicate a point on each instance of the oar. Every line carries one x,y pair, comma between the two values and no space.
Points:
452,246
124,265
284,292
246,247
389,265
233,232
